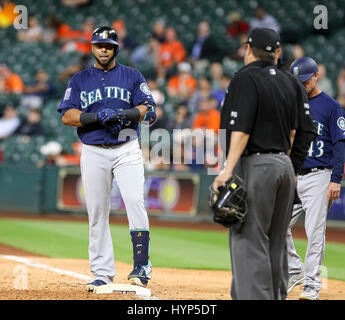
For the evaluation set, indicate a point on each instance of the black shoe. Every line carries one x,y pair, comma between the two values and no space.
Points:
91,286
140,275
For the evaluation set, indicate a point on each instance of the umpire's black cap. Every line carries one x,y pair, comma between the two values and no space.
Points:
264,39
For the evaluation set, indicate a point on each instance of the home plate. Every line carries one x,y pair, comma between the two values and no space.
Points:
123,288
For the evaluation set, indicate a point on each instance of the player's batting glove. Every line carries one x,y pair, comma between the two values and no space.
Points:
108,115
114,127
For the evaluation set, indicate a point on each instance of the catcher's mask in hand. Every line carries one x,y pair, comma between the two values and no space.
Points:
228,203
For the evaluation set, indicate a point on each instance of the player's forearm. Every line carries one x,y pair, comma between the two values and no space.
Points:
338,161
148,113
238,144
300,148
72,118
142,109
292,138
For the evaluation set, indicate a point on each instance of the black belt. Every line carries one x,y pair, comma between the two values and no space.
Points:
247,153
107,146
303,172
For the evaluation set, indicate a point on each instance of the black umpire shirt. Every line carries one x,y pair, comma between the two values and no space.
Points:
306,130
260,101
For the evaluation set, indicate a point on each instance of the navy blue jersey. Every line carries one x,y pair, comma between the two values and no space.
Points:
329,119
93,90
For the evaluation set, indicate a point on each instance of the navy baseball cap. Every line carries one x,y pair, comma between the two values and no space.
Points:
264,39
304,68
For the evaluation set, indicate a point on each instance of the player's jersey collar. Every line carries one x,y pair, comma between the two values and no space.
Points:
113,68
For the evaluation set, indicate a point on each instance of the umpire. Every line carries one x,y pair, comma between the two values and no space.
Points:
259,114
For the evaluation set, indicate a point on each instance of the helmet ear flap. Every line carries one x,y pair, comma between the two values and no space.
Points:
116,50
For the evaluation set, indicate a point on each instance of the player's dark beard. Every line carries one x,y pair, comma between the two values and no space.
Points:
105,64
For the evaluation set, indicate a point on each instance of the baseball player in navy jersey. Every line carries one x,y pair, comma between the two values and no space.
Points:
319,180
102,101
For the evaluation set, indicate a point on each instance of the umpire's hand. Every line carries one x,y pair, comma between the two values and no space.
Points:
221,179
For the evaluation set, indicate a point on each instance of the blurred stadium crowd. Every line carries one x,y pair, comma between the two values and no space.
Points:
188,51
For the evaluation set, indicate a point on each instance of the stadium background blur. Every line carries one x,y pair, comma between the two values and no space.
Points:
188,51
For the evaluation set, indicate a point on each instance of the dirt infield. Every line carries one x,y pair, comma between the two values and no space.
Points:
32,277
26,276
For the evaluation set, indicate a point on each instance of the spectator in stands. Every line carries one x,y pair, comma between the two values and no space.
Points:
58,31
33,33
236,26
238,54
184,150
158,30
10,82
208,117
9,121
263,20
125,40
341,87
161,77
324,83
31,126
194,152
216,72
220,93
296,52
183,85
171,51
79,40
146,54
157,94
204,46
55,154
75,3
35,93
204,90
7,14
182,119
72,69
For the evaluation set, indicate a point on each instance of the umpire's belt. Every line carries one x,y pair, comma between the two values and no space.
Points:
246,153
303,172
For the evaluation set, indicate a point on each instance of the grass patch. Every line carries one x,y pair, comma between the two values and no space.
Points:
170,247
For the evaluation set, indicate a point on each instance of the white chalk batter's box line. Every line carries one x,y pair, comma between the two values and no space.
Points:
29,263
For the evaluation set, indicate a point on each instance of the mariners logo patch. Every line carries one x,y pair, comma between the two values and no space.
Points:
104,34
295,71
144,88
67,93
341,123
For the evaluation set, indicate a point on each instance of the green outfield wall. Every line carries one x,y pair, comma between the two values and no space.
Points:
168,194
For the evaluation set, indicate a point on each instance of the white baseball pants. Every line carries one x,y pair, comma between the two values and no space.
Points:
312,190
99,167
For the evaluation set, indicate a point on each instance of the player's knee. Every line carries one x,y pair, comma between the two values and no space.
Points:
133,200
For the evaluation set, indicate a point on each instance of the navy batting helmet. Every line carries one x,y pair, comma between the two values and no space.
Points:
304,68
105,34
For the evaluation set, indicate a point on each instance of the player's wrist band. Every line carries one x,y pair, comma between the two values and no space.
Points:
132,114
88,118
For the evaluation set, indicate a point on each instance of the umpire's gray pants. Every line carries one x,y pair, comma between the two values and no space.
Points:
257,251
